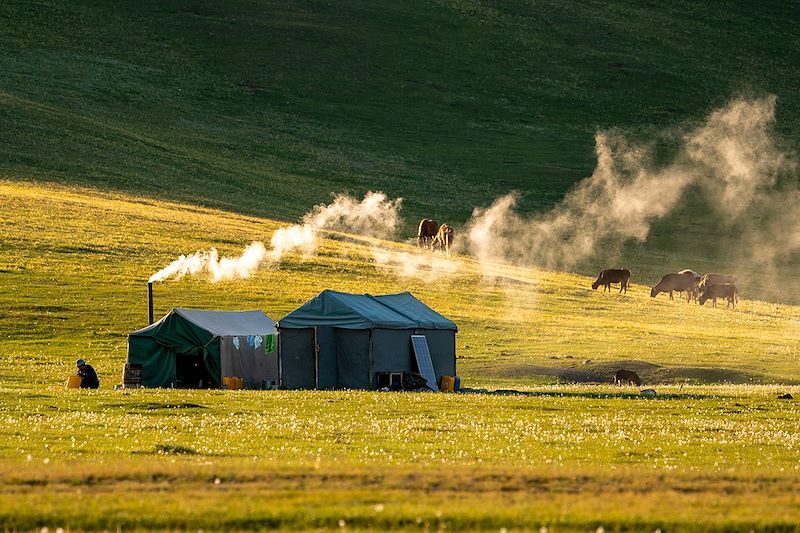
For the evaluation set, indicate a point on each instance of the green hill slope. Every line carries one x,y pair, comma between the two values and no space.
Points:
267,107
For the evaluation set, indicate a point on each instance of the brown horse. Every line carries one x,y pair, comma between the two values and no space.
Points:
426,232
443,239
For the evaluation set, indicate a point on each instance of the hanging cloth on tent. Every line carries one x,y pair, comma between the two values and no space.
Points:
270,343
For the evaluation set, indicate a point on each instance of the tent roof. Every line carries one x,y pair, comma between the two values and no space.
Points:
220,323
364,311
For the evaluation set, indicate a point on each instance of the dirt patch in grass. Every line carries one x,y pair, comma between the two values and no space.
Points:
572,370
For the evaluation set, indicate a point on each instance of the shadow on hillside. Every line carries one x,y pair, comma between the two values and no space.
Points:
574,371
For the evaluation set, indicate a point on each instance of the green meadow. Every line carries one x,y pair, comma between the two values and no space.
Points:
570,458
76,262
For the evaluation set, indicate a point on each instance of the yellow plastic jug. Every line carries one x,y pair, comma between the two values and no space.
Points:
74,382
232,382
448,383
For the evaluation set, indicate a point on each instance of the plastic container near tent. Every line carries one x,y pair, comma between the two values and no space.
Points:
342,340
192,348
73,382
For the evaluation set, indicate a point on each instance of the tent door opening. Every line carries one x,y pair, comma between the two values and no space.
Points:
191,372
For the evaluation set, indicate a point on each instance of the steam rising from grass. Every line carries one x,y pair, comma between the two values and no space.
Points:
284,240
732,157
417,264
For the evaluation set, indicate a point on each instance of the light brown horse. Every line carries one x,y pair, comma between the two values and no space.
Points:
443,239
426,232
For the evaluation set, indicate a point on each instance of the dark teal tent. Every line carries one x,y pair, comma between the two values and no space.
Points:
190,348
341,340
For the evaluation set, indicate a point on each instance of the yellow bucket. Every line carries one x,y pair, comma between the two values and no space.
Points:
448,384
74,382
232,382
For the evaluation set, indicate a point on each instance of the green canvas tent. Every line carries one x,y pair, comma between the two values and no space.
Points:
342,340
190,348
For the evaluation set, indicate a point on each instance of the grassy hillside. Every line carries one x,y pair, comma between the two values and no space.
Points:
267,107
75,263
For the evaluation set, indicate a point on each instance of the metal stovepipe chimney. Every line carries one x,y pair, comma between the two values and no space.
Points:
150,302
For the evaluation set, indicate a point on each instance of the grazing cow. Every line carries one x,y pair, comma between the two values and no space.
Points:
694,292
426,232
443,239
613,275
673,282
714,279
623,376
719,290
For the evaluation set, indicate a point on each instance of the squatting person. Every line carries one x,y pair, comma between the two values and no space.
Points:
88,375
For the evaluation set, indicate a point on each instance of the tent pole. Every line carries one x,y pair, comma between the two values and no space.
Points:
316,360
371,386
455,370
279,383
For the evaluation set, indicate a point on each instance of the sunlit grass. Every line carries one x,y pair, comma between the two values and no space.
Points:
75,263
250,459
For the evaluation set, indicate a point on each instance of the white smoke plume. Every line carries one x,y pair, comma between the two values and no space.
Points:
732,156
183,265
218,269
374,216
732,159
293,237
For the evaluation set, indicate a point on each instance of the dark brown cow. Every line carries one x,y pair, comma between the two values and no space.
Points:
673,282
443,239
613,275
719,290
623,376
426,232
